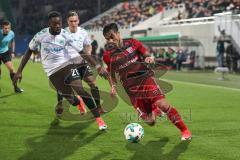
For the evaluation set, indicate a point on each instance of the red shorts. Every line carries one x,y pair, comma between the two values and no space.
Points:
146,94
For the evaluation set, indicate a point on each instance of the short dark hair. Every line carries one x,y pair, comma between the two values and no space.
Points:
110,27
72,13
54,14
6,23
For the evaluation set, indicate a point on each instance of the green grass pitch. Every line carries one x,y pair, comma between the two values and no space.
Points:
209,107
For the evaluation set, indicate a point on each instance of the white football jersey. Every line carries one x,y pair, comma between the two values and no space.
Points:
80,38
54,50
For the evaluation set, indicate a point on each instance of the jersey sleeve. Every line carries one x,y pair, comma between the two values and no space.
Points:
140,47
35,42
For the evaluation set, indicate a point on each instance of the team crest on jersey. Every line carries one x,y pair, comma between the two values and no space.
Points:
130,49
61,42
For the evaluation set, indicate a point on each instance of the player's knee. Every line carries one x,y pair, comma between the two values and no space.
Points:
92,85
151,122
165,108
163,105
95,88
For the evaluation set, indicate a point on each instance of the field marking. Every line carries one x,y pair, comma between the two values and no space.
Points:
203,85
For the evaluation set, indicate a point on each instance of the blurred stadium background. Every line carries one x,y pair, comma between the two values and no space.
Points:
169,28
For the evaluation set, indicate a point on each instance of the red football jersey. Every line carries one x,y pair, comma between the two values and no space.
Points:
128,62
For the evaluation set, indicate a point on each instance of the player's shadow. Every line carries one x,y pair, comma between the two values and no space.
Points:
8,95
154,150
58,143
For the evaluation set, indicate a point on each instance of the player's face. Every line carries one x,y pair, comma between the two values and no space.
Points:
6,29
73,22
55,25
113,37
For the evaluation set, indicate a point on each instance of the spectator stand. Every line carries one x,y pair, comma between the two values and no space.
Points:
98,22
193,49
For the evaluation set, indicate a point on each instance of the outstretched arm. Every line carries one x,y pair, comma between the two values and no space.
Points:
24,60
12,47
87,49
89,58
26,57
86,54
148,58
112,81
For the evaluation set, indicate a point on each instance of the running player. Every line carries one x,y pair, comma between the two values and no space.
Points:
127,58
80,38
56,62
6,40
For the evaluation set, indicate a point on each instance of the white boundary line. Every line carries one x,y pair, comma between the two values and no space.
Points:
203,85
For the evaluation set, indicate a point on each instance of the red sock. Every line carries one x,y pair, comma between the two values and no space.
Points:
176,119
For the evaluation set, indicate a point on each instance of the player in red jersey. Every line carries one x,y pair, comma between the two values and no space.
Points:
128,59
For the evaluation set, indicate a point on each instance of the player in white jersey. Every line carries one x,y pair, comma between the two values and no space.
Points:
81,39
56,60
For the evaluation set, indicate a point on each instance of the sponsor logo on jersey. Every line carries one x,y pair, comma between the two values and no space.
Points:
129,62
52,50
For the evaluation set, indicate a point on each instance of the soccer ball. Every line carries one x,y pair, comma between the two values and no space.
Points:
134,132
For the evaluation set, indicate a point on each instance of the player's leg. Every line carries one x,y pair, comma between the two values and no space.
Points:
89,101
151,115
174,117
74,80
6,57
9,66
66,80
80,106
87,75
90,80
57,80
63,90
149,118
154,92
144,110
143,97
148,112
58,110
